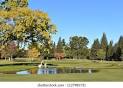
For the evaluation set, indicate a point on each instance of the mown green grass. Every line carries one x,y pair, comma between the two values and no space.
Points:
108,71
15,68
103,75
6,62
86,63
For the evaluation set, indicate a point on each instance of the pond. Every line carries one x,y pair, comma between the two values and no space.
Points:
56,71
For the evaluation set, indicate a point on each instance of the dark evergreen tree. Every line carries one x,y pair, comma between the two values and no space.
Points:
115,47
118,49
59,48
120,44
96,44
118,54
52,50
110,49
104,42
94,49
63,42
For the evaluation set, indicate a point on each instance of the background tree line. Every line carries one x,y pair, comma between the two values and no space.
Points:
107,51
77,48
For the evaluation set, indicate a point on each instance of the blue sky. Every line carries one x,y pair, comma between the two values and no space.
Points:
88,18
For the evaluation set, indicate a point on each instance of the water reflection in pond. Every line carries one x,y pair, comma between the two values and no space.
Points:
23,72
56,71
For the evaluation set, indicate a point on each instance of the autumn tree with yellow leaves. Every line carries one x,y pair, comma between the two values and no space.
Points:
33,53
24,26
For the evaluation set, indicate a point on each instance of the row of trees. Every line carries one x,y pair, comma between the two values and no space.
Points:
100,49
104,50
76,48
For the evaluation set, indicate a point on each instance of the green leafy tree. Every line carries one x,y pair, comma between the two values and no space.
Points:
78,45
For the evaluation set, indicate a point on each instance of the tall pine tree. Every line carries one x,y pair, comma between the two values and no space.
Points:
59,46
95,47
96,44
120,43
104,42
110,49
